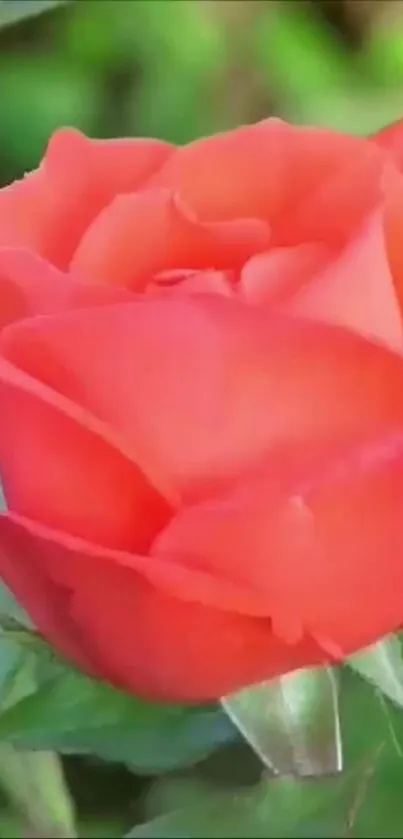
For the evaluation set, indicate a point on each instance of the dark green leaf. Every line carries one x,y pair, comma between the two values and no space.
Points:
72,713
274,808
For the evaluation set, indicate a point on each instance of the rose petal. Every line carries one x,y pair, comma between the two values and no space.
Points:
55,469
274,276
356,290
140,235
50,208
201,387
31,286
391,139
323,556
339,203
136,636
256,170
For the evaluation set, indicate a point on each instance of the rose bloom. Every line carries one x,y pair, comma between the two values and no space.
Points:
201,403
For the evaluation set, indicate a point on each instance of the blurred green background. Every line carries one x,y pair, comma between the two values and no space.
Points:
177,69
180,68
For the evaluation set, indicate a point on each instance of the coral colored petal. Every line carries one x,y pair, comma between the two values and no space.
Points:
391,139
140,639
48,605
202,387
356,290
143,234
256,170
273,276
49,209
339,203
59,471
31,286
393,226
324,554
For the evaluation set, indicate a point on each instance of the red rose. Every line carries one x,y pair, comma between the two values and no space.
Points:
201,384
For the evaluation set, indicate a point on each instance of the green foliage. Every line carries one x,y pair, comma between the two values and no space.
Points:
292,722
63,709
14,11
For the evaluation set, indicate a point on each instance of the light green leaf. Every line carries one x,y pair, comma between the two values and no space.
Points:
291,722
34,784
382,666
14,11
15,680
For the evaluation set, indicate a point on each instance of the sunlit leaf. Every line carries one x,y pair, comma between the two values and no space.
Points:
291,722
382,666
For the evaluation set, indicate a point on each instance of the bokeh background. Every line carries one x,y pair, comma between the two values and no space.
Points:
177,69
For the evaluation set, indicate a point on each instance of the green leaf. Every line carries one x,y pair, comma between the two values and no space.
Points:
15,666
382,666
34,784
14,11
291,722
273,808
71,713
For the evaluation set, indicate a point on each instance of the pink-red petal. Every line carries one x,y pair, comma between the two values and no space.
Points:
29,285
49,210
57,470
391,139
257,170
202,387
357,289
134,635
143,234
274,276
322,556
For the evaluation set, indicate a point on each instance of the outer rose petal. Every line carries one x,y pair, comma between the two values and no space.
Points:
131,633
324,557
356,290
201,388
143,234
257,170
50,208
31,286
57,470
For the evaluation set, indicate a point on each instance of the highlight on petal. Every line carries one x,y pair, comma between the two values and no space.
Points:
356,290
29,285
188,652
51,207
57,470
143,234
200,388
